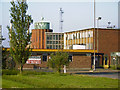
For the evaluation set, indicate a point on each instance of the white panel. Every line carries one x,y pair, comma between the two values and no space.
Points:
65,41
77,35
91,34
80,35
78,46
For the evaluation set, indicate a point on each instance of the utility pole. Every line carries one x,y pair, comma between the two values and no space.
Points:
99,18
61,28
61,20
94,33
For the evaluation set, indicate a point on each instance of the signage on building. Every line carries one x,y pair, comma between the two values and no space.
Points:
34,60
78,46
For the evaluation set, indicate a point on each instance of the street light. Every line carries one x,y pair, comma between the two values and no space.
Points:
94,35
99,18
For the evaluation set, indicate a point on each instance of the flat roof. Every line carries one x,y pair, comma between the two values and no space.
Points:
64,50
92,29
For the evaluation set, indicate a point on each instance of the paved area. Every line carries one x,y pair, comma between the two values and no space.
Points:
108,75
114,74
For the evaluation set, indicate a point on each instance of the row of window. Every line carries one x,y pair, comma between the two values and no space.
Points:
54,42
54,46
54,37
69,58
79,35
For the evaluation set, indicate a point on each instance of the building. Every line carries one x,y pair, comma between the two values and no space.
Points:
54,40
80,37
77,58
38,38
80,46
106,41
44,38
119,14
1,37
115,59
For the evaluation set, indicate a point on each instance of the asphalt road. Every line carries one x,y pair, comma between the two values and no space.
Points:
113,75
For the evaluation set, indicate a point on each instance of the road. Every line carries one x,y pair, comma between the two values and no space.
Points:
113,75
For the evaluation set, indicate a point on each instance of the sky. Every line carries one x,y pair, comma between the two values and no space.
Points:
78,14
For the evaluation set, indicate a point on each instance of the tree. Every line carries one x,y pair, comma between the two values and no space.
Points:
19,32
4,58
58,60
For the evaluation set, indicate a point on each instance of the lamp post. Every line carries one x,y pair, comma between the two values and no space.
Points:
94,36
99,18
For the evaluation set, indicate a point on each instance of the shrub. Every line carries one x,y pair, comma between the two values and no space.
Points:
118,67
33,73
9,72
115,67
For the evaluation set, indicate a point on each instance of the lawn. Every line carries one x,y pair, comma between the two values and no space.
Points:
51,80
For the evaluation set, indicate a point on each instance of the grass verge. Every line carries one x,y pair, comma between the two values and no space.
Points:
52,80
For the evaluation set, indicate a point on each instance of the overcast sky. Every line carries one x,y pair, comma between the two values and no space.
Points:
77,14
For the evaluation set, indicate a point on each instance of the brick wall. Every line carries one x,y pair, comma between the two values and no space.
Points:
77,62
80,62
108,41
38,38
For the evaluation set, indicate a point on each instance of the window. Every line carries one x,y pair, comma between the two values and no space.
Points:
50,37
53,37
59,47
47,47
53,46
59,37
105,60
56,37
56,42
76,36
73,36
70,58
44,57
53,42
88,35
47,37
56,46
48,42
79,36
50,46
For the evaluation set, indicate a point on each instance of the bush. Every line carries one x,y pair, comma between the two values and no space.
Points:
9,72
115,68
16,72
33,73
118,67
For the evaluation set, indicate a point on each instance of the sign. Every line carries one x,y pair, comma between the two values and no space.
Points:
34,60
78,46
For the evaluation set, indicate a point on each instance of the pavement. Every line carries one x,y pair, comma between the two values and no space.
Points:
114,74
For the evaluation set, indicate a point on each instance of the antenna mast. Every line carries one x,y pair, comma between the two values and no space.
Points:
61,19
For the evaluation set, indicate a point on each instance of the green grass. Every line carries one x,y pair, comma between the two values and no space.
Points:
57,81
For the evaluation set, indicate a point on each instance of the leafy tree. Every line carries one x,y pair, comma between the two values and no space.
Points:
19,32
58,60
4,58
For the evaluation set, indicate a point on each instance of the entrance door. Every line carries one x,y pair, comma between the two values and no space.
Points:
96,61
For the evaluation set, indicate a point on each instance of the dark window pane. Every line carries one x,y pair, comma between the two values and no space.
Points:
53,37
56,42
56,37
70,58
44,57
50,46
50,42
47,37
53,46
47,42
